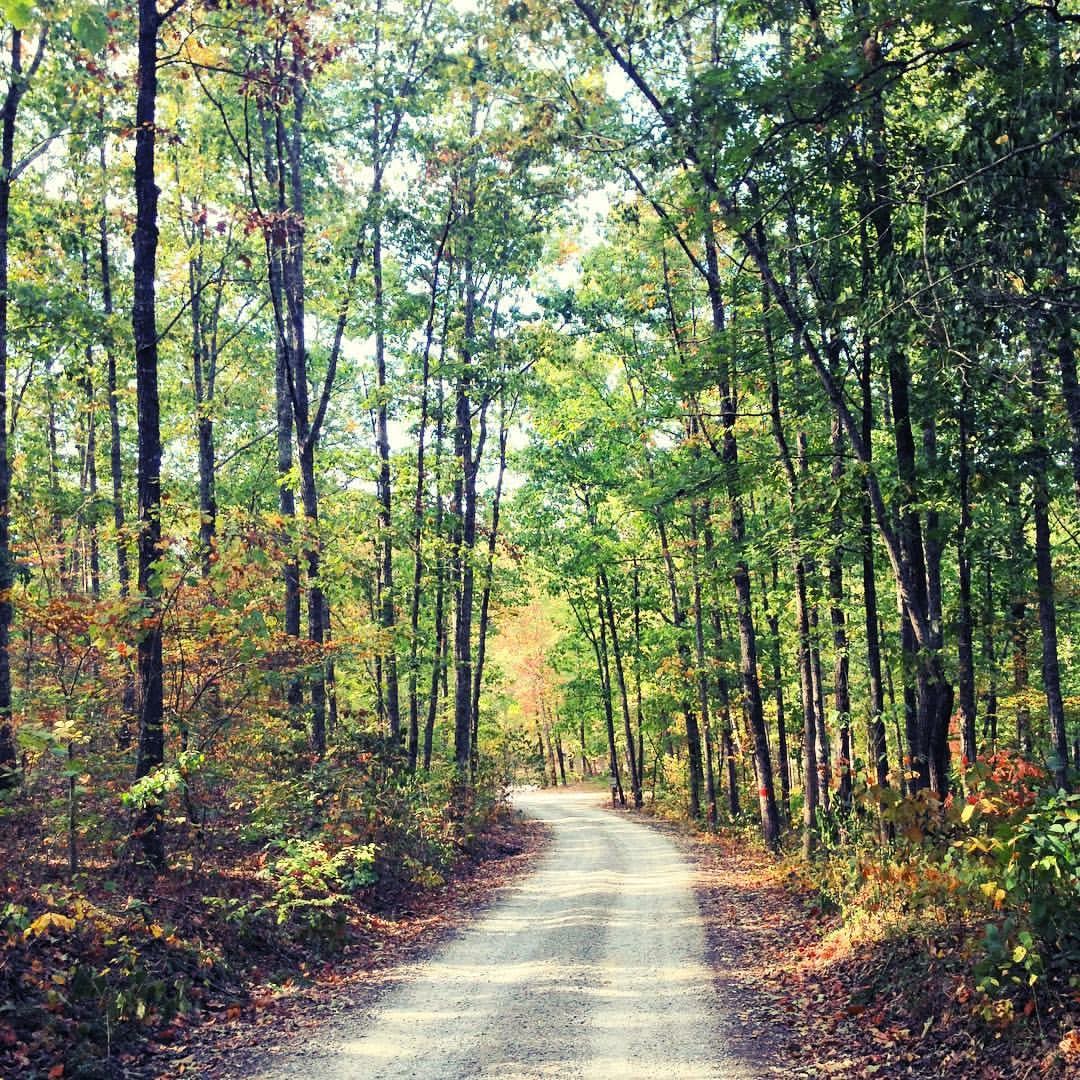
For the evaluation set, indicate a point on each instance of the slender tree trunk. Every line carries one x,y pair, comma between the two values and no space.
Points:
990,700
908,664
1044,569
624,698
728,747
770,819
965,628
639,707
387,613
90,478
811,791
305,426
1060,249
817,688
782,754
678,618
919,580
464,507
600,647
1018,623
702,669
17,84
877,743
276,257
485,594
116,469
331,675
202,369
418,498
55,514
841,690
438,662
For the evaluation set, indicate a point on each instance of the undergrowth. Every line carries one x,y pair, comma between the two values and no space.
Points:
982,891
267,879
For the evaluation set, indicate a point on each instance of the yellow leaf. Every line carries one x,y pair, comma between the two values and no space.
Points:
50,920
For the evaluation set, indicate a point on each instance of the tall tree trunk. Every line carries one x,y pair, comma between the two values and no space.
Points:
439,659
144,326
276,257
465,541
908,664
485,593
639,708
701,676
601,647
116,469
811,789
19,79
203,364
727,746
90,478
464,507
1018,621
965,621
770,819
55,512
678,618
1044,568
841,690
561,756
877,743
1059,250
387,612
933,693
306,427
421,483
782,755
990,699
624,697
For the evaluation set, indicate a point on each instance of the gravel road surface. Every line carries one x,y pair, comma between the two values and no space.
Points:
593,966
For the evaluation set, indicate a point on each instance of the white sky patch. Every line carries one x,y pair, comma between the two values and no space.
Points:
616,82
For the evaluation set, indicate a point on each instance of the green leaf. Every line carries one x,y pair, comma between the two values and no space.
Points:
89,30
18,12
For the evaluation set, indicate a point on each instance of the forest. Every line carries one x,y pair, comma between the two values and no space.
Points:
405,400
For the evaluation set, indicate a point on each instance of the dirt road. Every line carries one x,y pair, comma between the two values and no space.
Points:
594,966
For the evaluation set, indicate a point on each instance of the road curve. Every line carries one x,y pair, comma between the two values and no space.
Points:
592,967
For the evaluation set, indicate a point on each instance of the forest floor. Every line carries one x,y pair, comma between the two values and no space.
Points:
826,999
257,999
